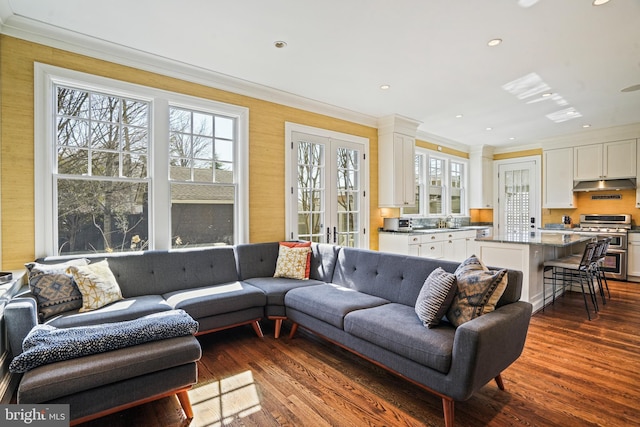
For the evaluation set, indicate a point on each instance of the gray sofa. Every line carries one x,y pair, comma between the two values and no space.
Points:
361,300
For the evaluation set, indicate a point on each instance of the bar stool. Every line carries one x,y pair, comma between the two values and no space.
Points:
569,270
599,255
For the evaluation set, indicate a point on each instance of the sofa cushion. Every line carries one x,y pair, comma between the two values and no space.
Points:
479,290
54,289
292,262
435,297
275,288
218,299
330,302
61,379
47,344
125,309
396,328
97,285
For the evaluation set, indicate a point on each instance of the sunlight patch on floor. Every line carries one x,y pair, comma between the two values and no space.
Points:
218,403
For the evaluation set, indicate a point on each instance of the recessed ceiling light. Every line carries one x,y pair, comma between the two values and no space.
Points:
385,87
631,88
494,42
280,44
586,125
546,95
488,128
459,116
600,2
512,138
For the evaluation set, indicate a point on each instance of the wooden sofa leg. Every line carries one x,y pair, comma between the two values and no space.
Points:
499,382
294,328
257,328
448,406
278,326
183,397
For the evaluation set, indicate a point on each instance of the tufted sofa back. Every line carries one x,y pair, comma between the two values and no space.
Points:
259,260
399,278
159,272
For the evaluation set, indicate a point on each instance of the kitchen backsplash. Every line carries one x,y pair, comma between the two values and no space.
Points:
586,205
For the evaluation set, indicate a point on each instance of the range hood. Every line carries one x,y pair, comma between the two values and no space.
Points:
605,184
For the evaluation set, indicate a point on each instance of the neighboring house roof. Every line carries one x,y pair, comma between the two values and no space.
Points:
197,191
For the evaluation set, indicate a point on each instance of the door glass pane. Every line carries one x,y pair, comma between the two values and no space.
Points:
517,203
311,191
348,194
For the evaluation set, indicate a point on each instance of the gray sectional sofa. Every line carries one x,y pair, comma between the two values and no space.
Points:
358,299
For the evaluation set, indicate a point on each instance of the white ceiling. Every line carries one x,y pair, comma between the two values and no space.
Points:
433,53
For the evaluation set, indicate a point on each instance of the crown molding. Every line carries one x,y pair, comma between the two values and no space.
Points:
594,136
42,33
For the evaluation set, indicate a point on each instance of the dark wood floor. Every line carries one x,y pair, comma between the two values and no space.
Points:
573,372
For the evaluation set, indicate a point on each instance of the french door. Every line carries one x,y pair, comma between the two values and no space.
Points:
518,197
327,190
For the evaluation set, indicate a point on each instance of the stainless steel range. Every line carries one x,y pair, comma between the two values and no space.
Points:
617,227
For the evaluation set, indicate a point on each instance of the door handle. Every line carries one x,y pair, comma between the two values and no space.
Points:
335,234
328,235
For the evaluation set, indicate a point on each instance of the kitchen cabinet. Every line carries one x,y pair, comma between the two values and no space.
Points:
609,160
558,179
450,245
633,257
455,245
396,162
481,177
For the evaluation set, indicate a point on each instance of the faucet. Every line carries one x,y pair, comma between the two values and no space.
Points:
449,221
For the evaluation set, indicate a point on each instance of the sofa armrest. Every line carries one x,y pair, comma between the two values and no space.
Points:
486,345
20,316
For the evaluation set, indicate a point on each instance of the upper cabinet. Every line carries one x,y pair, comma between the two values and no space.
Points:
481,177
396,161
558,179
610,160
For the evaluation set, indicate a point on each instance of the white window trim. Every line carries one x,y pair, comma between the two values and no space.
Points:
290,209
46,76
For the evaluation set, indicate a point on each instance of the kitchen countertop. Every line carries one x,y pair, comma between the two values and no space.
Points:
436,230
546,238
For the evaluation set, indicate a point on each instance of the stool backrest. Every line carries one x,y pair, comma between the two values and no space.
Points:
588,255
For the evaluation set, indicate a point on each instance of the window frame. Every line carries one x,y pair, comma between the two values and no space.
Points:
424,184
46,77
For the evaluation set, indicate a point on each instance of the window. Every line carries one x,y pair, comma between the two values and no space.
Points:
201,174
440,184
121,167
100,175
436,186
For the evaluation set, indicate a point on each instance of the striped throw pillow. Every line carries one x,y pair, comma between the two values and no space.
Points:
435,297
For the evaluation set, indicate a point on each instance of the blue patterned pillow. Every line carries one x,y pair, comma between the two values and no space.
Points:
55,290
479,290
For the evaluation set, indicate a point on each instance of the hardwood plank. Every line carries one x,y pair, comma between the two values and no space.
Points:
572,372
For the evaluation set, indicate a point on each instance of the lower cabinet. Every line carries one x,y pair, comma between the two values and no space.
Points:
633,257
447,245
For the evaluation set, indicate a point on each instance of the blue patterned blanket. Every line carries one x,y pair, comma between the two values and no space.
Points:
47,344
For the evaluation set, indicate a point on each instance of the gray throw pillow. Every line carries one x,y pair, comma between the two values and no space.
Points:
435,297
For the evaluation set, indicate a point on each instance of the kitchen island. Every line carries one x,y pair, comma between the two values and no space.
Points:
527,252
